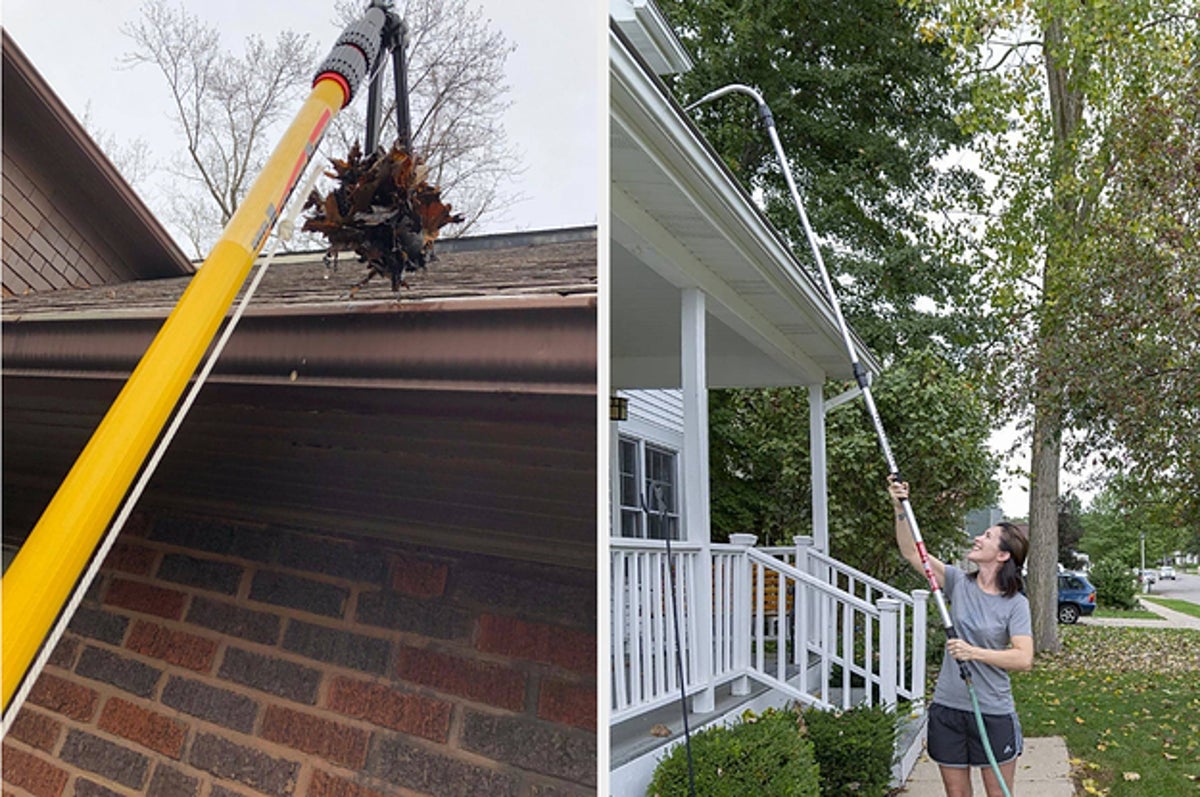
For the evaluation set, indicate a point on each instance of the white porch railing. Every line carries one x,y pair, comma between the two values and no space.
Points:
793,619
912,608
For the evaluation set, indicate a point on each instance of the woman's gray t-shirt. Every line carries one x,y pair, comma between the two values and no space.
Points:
986,621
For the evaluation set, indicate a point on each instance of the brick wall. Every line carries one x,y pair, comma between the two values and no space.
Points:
212,660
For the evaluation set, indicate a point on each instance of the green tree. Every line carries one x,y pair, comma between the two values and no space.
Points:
865,104
761,483
1124,513
1070,529
1052,79
1136,308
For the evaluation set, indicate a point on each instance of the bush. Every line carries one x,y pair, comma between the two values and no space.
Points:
767,755
1115,586
854,749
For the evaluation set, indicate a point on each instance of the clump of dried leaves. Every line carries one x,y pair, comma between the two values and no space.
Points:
382,210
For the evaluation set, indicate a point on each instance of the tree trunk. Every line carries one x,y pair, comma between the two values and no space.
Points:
1043,528
1066,110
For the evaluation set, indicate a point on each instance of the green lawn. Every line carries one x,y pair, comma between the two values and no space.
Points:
1127,700
1126,614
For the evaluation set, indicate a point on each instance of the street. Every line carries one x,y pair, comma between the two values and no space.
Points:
1183,586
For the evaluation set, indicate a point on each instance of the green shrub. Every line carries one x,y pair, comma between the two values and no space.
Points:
767,755
854,749
1116,587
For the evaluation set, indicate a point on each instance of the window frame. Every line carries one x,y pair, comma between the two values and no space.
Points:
643,449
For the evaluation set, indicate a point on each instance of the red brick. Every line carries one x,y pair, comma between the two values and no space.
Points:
34,775
340,744
36,729
391,708
549,644
64,652
571,704
324,784
476,680
65,697
147,728
130,559
145,598
176,647
420,578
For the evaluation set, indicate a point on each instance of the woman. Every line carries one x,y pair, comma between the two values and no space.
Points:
991,616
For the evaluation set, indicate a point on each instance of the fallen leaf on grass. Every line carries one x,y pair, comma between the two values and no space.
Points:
1131,776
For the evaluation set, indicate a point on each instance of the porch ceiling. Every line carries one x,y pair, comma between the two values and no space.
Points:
680,220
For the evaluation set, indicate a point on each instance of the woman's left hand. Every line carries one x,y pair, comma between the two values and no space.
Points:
963,651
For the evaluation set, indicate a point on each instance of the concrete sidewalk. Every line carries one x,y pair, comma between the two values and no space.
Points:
1171,619
1042,771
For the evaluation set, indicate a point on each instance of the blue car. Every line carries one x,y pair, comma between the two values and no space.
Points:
1076,597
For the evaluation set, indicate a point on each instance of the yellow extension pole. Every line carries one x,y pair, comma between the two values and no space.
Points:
41,577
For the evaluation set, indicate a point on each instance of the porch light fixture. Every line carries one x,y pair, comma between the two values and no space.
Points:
618,408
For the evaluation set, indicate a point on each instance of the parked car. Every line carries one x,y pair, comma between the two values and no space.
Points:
1146,576
1076,597
1165,572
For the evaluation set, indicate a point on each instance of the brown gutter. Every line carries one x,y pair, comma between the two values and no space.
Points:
530,344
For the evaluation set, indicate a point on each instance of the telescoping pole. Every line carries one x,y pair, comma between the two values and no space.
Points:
860,376
47,568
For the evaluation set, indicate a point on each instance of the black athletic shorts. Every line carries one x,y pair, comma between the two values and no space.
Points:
953,737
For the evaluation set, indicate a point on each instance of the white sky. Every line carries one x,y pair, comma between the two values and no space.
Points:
554,76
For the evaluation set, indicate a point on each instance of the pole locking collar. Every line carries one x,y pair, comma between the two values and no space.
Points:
356,52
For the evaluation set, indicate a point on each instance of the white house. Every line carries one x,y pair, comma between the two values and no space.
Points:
706,294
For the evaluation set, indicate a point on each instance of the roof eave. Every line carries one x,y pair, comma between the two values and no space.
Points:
534,344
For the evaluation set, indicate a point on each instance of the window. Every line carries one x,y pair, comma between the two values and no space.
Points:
648,472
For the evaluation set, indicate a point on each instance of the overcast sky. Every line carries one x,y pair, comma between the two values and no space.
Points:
554,75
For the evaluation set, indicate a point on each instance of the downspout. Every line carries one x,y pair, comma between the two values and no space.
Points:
44,573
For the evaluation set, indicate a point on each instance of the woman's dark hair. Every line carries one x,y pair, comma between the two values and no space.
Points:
1013,540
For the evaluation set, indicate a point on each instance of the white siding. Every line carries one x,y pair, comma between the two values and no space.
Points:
658,410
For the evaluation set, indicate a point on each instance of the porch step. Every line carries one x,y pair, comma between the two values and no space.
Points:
632,739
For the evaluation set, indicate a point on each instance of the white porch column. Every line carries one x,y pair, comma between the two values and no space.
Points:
816,448
695,480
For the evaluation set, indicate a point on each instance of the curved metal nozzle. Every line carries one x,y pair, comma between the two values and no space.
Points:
763,109
721,92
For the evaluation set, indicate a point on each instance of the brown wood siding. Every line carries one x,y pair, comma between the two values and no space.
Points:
47,241
70,220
